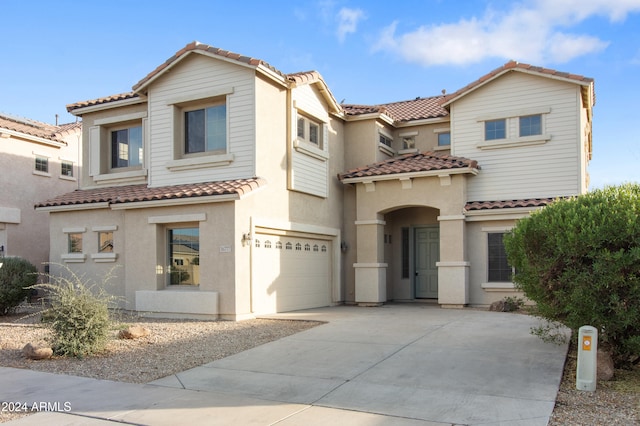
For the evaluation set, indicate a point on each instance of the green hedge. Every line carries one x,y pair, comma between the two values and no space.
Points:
579,260
16,275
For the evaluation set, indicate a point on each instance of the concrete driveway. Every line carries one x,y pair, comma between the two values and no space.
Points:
407,364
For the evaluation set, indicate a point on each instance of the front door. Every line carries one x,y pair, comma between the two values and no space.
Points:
427,253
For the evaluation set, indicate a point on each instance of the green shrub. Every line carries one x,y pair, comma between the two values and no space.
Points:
579,261
78,316
16,275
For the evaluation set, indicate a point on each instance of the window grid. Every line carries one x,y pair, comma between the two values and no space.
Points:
495,129
66,168
531,125
498,266
42,164
385,140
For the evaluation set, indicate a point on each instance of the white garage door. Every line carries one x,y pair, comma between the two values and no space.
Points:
290,273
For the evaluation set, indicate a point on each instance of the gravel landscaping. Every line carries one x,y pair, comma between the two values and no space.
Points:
177,345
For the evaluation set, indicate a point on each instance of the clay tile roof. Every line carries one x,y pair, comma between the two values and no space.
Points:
99,101
415,109
510,66
507,204
137,193
411,163
196,46
36,128
191,47
304,77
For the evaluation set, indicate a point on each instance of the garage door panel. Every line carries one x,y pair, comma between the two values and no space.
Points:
290,273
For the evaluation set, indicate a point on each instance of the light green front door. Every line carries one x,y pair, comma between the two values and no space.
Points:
427,253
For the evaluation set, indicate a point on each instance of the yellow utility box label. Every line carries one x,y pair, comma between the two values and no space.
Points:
586,343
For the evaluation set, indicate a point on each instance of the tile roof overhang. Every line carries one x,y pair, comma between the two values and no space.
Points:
422,164
136,196
138,93
36,131
112,101
505,209
427,108
586,83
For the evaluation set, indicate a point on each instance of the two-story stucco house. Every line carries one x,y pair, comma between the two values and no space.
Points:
222,187
38,161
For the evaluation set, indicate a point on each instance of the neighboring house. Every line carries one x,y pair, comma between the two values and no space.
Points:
38,161
226,188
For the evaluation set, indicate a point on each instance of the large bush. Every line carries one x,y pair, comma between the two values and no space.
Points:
579,260
16,275
78,316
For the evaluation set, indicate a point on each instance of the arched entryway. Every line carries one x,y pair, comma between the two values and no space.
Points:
412,251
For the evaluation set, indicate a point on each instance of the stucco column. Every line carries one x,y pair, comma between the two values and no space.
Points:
453,267
370,269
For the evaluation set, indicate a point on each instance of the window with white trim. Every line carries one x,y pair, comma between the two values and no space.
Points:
530,125
42,164
408,142
385,140
495,129
66,168
309,130
444,139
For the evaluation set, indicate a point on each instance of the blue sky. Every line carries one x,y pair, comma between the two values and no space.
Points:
60,52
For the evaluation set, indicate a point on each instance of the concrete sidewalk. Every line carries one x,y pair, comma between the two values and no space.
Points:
396,364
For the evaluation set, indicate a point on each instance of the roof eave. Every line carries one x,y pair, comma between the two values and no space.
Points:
412,175
78,112
500,214
370,116
176,201
32,138
73,207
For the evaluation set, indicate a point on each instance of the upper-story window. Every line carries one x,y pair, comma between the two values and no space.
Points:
309,130
514,128
495,129
531,125
408,142
66,168
444,139
126,147
385,140
42,164
117,148
205,129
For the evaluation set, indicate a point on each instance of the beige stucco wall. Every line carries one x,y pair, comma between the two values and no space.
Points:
140,245
478,256
24,231
386,205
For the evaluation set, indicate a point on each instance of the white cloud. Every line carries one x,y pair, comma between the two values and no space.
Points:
348,20
534,31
